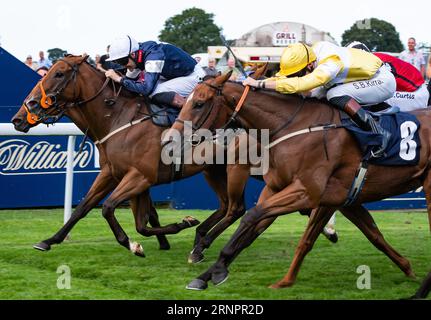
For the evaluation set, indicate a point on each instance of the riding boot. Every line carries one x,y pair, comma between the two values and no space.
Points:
366,122
169,98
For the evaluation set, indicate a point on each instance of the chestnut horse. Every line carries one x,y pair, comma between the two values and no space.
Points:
129,156
318,174
129,159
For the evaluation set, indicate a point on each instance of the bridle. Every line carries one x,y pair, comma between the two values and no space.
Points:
50,103
219,93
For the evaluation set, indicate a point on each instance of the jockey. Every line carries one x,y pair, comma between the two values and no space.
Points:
161,71
412,92
348,78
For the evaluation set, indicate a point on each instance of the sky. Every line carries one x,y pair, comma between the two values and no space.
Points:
79,26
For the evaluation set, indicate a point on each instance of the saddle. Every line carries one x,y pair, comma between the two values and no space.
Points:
163,115
404,144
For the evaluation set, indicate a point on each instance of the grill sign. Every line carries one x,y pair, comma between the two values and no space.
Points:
284,38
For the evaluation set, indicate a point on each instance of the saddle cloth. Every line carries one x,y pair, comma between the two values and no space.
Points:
163,116
404,145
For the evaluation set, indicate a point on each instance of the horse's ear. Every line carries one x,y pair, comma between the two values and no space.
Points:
260,72
84,57
223,78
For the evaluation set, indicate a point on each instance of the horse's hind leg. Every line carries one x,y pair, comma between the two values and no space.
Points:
155,223
318,220
424,289
145,212
357,215
140,206
329,230
100,188
361,218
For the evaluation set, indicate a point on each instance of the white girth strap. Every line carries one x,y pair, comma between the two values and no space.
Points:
130,124
300,132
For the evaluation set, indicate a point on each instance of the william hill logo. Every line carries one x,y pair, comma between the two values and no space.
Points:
19,157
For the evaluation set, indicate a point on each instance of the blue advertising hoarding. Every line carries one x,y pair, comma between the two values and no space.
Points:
32,169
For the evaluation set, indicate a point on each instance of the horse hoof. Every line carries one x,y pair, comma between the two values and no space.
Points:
137,249
281,285
333,238
165,246
195,258
197,284
42,246
219,278
191,221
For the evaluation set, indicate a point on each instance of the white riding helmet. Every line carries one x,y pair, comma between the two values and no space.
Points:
122,47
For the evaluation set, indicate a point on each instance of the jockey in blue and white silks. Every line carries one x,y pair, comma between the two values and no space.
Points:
161,71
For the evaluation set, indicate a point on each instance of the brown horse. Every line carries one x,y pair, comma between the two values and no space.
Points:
129,157
424,289
319,171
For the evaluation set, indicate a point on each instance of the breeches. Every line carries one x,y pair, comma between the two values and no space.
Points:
379,88
181,85
409,101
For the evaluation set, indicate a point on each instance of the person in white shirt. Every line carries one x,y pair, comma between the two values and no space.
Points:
413,56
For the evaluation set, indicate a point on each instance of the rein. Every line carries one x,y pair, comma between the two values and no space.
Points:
49,103
219,93
50,100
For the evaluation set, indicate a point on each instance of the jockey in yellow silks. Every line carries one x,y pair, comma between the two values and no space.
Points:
347,77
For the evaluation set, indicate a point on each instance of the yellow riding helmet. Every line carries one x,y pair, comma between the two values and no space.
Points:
295,58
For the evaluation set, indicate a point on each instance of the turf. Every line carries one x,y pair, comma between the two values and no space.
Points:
102,269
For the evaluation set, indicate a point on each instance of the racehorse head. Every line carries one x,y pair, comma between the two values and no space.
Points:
48,100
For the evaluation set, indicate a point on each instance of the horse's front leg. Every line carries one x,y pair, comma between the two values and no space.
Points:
255,222
103,184
237,176
318,219
216,178
132,185
139,206
145,212
424,289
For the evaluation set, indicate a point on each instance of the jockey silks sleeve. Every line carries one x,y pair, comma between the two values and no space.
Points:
160,59
322,75
334,65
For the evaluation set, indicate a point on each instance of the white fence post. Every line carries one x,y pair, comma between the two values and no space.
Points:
59,129
68,190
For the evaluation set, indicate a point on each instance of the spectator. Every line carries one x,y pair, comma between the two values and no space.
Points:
411,92
97,59
413,56
43,62
231,67
211,70
429,68
30,63
42,71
